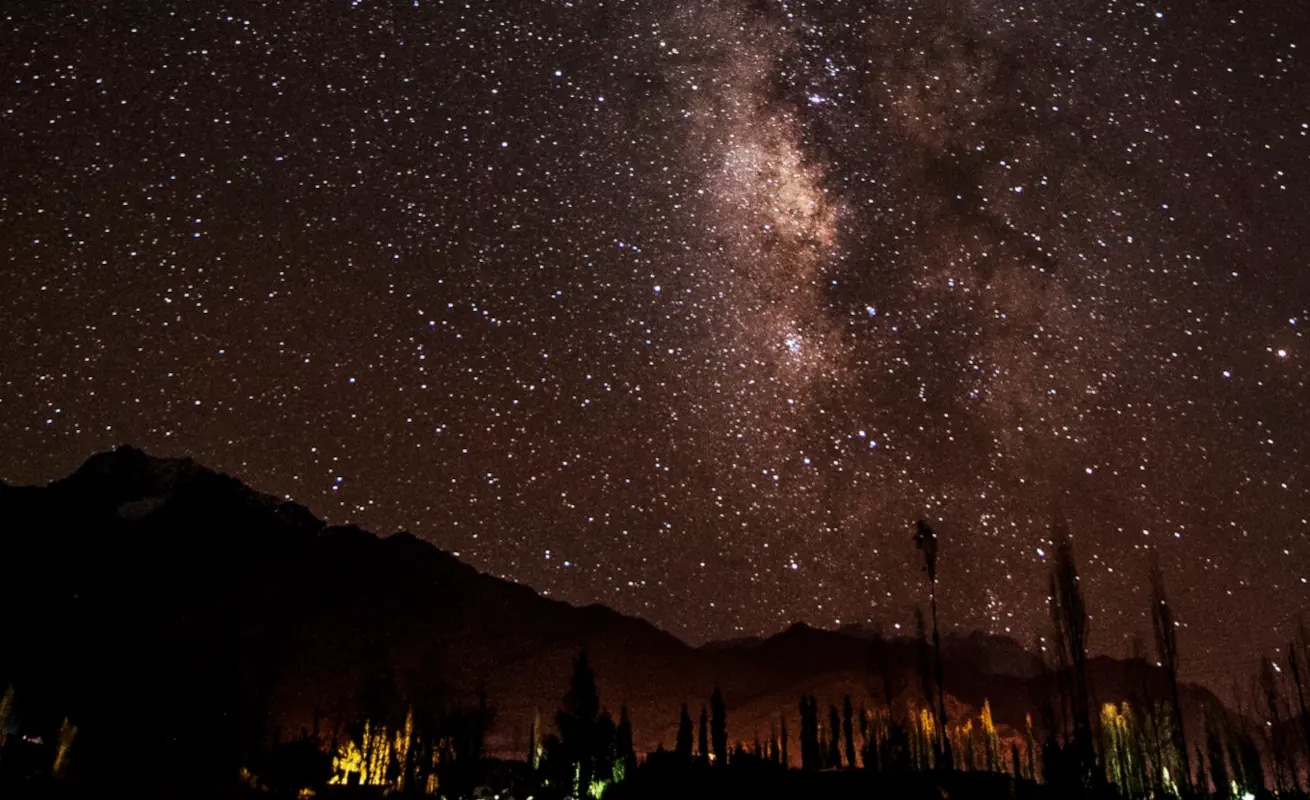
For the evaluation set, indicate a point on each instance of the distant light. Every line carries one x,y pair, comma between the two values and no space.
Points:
1041,553
1282,354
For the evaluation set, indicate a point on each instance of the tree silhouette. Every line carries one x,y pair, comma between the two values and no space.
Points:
534,742
782,740
1301,644
703,738
848,728
719,727
834,737
1214,743
625,757
810,757
1166,651
578,722
1284,773
1069,612
298,764
6,708
926,540
685,735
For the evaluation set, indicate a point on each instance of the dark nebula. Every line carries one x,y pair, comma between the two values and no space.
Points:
690,308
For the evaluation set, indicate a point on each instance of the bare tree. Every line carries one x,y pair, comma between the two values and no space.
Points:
1166,650
926,540
1069,612
1284,774
1301,644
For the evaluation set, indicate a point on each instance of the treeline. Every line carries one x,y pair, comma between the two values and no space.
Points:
1073,744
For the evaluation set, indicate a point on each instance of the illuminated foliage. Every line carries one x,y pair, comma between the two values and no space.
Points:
6,708
67,732
534,743
991,741
923,739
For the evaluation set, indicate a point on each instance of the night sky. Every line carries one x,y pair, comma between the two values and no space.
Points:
690,307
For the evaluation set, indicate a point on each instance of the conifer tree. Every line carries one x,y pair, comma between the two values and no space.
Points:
534,743
810,758
703,736
848,728
822,751
719,727
625,757
578,722
685,735
834,741
782,741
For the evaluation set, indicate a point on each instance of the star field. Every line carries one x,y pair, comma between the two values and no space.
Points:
690,308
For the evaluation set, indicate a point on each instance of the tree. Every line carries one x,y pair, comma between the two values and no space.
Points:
6,708
809,734
703,738
578,722
1166,650
1302,643
534,742
782,740
926,540
685,735
834,737
848,727
67,732
299,764
1284,774
719,727
1069,612
625,757
606,764
1214,743
463,731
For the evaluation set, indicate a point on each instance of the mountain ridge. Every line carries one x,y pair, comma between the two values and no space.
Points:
260,616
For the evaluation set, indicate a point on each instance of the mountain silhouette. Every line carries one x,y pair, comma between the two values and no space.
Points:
171,610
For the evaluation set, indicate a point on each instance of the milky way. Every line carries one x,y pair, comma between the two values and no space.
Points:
691,308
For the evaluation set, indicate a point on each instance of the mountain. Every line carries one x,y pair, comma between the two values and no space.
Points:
178,616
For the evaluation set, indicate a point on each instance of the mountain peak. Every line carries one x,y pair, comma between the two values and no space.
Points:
127,464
